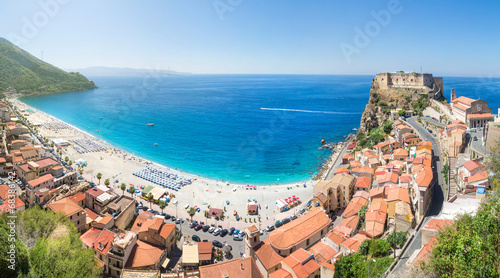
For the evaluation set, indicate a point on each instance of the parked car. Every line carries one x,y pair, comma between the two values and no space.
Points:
261,232
167,216
286,220
198,227
475,138
270,228
231,231
237,217
302,210
236,232
186,206
217,231
217,244
278,224
293,217
237,238
172,218
206,228
196,238
211,230
179,221
223,233
193,224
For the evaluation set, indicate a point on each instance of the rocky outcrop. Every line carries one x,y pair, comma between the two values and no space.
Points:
372,117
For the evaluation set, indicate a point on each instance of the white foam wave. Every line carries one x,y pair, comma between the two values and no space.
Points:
304,111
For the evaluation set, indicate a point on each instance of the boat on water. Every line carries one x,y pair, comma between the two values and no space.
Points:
100,118
150,124
156,144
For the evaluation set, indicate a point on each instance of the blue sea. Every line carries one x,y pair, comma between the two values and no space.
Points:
259,129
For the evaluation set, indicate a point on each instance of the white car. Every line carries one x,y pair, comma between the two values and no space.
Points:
211,230
186,206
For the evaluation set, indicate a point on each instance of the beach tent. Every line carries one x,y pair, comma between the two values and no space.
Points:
282,205
146,190
158,192
60,142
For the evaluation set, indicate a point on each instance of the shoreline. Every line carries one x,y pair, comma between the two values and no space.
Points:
203,192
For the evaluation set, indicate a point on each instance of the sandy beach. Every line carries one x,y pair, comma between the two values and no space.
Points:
118,165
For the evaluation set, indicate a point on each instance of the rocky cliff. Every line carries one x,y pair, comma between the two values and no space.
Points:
385,101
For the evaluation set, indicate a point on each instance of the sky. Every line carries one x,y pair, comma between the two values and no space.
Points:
446,38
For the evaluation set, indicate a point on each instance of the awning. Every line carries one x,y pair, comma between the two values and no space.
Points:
165,262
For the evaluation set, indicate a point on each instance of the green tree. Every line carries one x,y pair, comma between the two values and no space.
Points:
131,190
20,250
388,127
70,162
493,166
363,247
402,112
99,176
123,187
150,199
379,247
66,159
81,172
349,266
362,212
106,182
191,213
162,205
470,247
397,239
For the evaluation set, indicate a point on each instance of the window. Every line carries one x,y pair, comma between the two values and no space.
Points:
321,232
77,214
307,242
71,217
255,239
78,223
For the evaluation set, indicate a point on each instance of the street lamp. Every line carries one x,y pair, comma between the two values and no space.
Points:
368,274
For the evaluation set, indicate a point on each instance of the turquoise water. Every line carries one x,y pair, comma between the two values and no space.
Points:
258,129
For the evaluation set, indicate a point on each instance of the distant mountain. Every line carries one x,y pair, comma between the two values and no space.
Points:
27,74
110,71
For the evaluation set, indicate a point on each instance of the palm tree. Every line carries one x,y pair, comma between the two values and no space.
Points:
81,172
99,176
123,187
106,182
162,205
150,199
192,212
131,190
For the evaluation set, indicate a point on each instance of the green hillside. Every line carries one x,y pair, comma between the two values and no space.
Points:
29,75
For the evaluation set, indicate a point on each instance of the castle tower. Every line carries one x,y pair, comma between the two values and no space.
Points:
252,238
453,95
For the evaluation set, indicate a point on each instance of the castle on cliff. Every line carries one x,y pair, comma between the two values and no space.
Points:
424,83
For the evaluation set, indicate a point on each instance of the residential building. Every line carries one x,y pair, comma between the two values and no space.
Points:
300,264
359,200
375,218
396,195
471,175
348,226
363,184
74,212
155,231
352,244
338,191
205,252
9,201
244,268
146,256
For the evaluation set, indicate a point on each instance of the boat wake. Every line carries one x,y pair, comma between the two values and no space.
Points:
306,111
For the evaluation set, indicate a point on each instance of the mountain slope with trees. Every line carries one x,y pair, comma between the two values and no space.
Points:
26,74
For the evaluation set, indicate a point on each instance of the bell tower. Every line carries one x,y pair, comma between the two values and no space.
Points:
453,95
252,238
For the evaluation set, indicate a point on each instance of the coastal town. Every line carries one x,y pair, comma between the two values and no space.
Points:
147,220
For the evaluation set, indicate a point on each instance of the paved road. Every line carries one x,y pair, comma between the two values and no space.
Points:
437,195
336,163
432,121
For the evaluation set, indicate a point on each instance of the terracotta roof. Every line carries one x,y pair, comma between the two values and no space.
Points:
252,228
244,268
437,224
355,205
29,153
401,152
390,177
143,255
352,244
363,182
322,252
355,164
295,232
479,176
405,178
471,165
90,236
409,134
425,143
281,273
398,194
460,106
141,218
374,228
267,255
463,99
479,116
297,262
7,206
373,160
336,237
90,214
205,251
347,156
341,170
99,240
425,252
215,211
65,206
424,175
4,191
378,192
94,192
78,197
347,225
166,230
321,197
